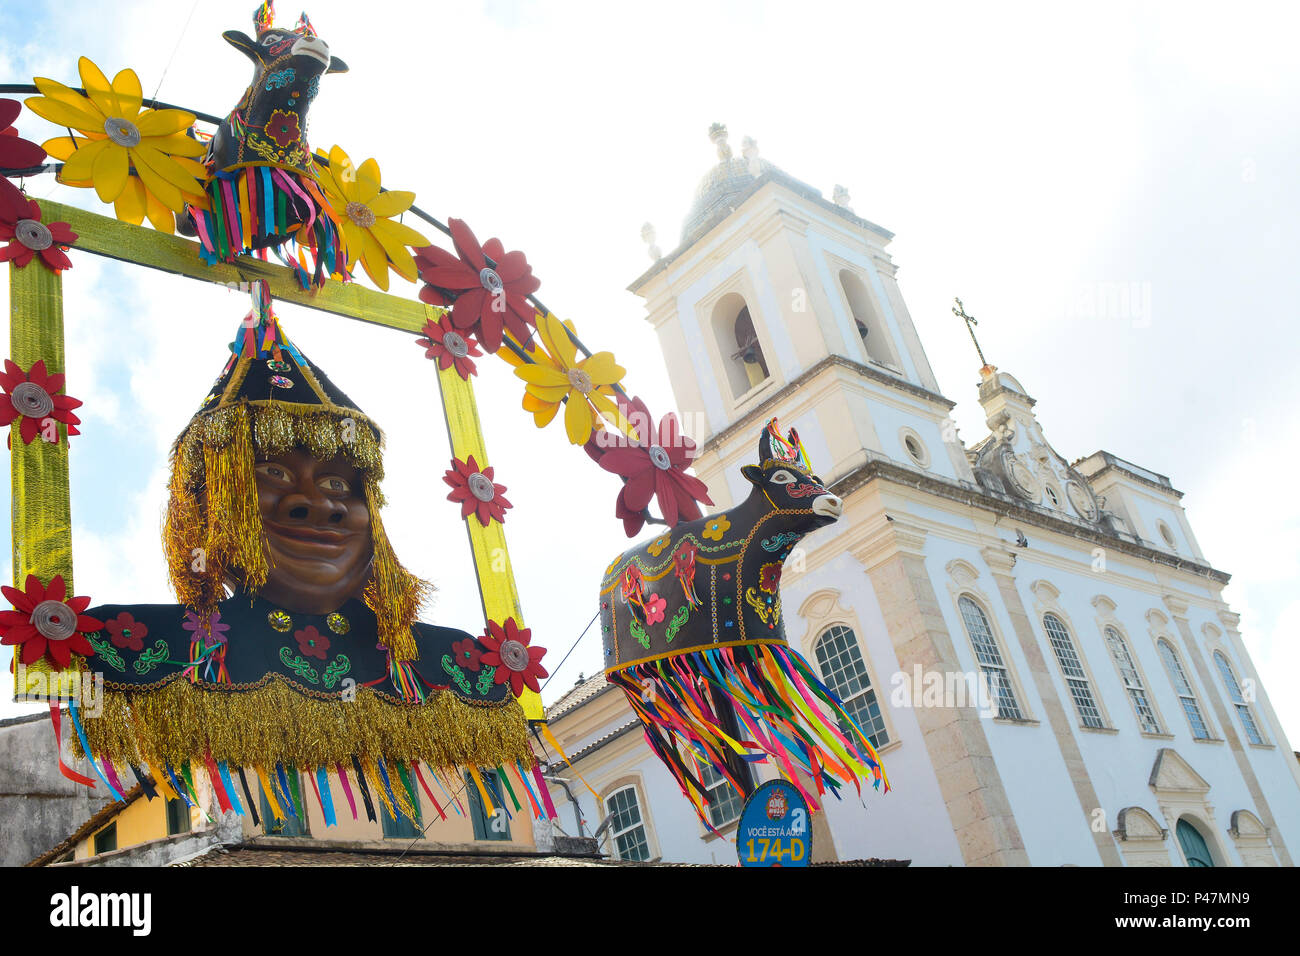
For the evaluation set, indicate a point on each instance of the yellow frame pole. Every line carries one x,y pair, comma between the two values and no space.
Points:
42,510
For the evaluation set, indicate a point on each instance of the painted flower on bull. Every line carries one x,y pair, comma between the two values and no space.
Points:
449,348
654,609
487,300
476,492
42,622
715,528
34,396
769,577
653,468
365,211
509,652
558,375
118,136
28,236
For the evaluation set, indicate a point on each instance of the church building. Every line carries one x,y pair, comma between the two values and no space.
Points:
1037,647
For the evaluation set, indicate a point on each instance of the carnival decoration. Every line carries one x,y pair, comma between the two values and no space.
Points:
694,634
284,613
263,189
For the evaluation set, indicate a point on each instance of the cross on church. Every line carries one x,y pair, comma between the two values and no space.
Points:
959,310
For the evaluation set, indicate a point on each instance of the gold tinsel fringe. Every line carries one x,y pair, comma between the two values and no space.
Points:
276,724
394,593
213,506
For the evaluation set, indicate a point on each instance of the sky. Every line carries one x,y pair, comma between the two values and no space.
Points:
1028,158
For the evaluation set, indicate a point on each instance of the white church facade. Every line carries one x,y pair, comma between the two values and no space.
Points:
1039,650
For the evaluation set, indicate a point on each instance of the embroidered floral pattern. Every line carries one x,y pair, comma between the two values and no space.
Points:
311,642
769,577
106,651
466,653
125,631
654,609
656,547
298,665
678,620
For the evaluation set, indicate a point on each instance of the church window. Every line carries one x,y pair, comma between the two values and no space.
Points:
866,320
914,447
1076,679
1128,672
989,656
626,826
1051,496
1167,535
721,798
1195,849
1183,687
738,344
844,672
1238,699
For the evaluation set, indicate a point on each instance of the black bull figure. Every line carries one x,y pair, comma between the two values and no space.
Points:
694,634
715,581
269,124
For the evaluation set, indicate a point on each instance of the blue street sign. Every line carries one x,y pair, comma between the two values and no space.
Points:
773,828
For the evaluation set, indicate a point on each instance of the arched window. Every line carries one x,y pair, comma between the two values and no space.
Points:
738,344
626,826
1183,687
870,329
844,672
1076,678
1128,672
990,659
1195,849
1238,701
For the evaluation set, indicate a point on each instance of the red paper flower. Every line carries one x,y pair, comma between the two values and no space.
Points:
15,152
449,347
125,631
43,622
654,609
508,651
21,226
654,469
769,577
33,396
487,299
283,128
466,653
311,642
476,491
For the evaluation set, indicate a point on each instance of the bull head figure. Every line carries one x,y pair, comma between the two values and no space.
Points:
694,632
268,127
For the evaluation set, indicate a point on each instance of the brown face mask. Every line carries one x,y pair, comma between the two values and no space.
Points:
317,528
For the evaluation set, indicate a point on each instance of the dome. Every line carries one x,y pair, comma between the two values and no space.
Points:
719,189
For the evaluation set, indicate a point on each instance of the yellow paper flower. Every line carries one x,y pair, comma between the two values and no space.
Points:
558,375
135,158
365,216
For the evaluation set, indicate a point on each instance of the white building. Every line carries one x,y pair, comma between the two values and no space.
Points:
1127,725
